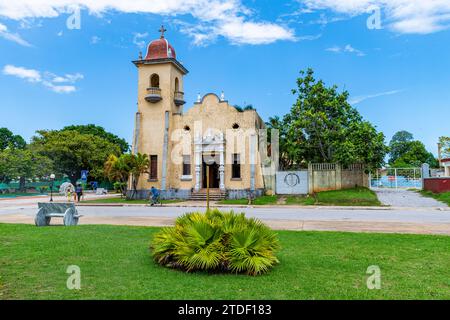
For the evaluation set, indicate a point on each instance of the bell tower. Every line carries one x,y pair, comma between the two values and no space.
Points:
160,97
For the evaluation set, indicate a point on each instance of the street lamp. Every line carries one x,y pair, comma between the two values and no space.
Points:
52,180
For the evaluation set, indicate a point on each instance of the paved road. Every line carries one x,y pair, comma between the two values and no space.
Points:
318,214
388,220
405,198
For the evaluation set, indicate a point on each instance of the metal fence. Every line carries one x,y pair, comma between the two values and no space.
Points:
397,178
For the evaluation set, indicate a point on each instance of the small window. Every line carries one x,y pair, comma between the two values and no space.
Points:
235,126
187,128
153,167
177,85
236,166
154,81
187,165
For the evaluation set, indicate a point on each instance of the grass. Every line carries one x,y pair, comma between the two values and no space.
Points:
260,201
443,197
347,197
115,264
20,194
126,201
301,200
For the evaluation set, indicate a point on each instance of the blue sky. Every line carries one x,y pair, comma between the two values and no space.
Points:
398,76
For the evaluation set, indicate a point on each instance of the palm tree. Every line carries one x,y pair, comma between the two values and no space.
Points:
141,164
119,169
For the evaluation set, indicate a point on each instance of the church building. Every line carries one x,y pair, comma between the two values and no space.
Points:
212,142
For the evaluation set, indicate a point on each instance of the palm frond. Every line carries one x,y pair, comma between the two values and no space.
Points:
217,241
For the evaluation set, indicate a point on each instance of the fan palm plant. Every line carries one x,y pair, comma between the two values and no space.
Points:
217,241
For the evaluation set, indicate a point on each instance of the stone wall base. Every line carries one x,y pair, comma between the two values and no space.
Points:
184,194
181,194
236,194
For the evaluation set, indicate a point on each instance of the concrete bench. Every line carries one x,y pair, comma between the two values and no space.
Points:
47,211
101,191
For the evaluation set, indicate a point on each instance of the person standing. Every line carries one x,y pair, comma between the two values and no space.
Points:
79,192
69,194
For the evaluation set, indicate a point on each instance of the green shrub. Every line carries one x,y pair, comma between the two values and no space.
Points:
43,189
218,242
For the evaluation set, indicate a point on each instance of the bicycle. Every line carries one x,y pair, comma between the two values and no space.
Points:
156,201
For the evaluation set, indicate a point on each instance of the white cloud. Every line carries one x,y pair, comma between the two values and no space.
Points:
243,32
58,84
310,37
95,39
14,37
346,49
359,99
59,88
214,18
68,78
30,75
404,16
138,39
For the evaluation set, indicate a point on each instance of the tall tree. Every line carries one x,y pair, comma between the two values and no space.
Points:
101,133
323,127
10,140
286,150
407,152
118,169
72,151
23,164
140,165
445,145
399,145
246,108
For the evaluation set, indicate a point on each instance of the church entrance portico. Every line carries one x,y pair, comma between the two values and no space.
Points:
210,168
210,158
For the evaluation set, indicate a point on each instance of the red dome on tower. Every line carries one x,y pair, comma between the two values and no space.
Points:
160,49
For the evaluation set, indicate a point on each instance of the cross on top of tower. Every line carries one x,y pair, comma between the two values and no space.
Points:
162,30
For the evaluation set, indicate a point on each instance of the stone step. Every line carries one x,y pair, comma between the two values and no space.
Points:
213,196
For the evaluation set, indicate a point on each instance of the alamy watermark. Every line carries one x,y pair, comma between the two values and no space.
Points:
374,20
254,146
73,22
374,279
74,279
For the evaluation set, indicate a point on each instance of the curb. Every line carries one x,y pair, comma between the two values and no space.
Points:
267,207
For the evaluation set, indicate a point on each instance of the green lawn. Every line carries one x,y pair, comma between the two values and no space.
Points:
115,264
126,201
260,201
347,197
443,197
20,194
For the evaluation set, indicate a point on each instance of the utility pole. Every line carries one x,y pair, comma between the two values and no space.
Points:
207,187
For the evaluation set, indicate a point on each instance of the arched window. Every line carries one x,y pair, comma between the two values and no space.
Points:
177,85
154,81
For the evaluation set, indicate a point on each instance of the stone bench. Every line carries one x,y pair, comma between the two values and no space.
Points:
101,191
47,211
